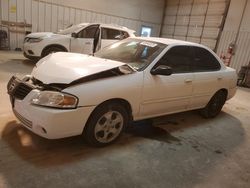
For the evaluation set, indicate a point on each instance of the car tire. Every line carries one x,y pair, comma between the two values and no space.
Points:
51,50
106,124
214,106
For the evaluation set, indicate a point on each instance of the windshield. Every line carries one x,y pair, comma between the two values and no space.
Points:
138,53
71,29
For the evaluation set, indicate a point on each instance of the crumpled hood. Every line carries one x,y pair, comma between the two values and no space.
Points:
64,67
40,35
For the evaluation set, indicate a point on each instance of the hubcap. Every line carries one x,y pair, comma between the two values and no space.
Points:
108,127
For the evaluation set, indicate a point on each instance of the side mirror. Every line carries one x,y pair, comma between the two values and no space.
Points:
162,70
74,35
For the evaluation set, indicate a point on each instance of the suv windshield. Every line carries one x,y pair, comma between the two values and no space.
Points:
138,53
71,29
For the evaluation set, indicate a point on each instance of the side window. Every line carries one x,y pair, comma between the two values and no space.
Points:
88,32
111,34
204,61
124,35
178,58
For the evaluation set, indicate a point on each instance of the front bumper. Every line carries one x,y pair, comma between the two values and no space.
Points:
49,123
32,49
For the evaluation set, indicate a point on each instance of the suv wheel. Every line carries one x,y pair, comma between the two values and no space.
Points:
51,50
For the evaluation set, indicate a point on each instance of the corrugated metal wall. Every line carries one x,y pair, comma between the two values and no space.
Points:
47,16
197,21
242,51
237,30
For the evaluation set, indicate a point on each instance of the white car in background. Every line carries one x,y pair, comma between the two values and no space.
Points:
83,38
70,94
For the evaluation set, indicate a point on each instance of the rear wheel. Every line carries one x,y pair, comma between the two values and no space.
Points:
215,105
51,50
106,124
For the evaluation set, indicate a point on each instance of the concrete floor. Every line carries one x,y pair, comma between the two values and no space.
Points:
180,150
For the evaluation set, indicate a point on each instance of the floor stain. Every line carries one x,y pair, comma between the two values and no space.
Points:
218,151
241,108
196,148
147,130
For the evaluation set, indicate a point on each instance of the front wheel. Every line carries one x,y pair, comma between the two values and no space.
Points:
51,50
215,105
106,124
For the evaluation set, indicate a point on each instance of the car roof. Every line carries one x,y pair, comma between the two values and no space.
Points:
111,26
168,41
174,42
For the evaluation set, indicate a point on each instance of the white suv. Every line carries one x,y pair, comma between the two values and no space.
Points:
82,38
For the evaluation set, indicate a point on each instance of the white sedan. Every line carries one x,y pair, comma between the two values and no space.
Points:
70,94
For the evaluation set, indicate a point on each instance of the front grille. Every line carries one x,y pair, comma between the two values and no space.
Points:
22,90
23,120
19,88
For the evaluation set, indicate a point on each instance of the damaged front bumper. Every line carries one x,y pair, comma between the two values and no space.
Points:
47,122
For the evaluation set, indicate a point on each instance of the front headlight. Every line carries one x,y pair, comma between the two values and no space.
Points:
34,40
55,99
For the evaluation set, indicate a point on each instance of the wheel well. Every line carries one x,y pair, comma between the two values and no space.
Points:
123,102
55,45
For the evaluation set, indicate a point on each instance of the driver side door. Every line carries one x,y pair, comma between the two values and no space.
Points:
168,94
85,40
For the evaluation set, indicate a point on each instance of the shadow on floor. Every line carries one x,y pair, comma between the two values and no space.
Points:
21,66
43,152
147,129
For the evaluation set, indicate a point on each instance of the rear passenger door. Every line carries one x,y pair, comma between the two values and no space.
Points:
109,36
207,77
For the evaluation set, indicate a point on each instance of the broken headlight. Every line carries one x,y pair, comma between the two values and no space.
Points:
55,100
34,40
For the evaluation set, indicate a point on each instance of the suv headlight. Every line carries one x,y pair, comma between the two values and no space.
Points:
34,40
55,100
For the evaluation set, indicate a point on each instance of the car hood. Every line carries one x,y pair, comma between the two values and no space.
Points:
40,35
64,68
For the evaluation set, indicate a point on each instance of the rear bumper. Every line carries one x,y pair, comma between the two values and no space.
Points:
231,92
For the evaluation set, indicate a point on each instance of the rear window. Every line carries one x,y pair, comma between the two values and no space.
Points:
204,60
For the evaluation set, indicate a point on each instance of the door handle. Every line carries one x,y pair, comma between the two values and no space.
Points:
188,80
87,42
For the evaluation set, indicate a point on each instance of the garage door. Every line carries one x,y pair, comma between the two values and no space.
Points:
197,21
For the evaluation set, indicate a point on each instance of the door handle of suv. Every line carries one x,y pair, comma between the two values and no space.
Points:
87,42
219,78
188,80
